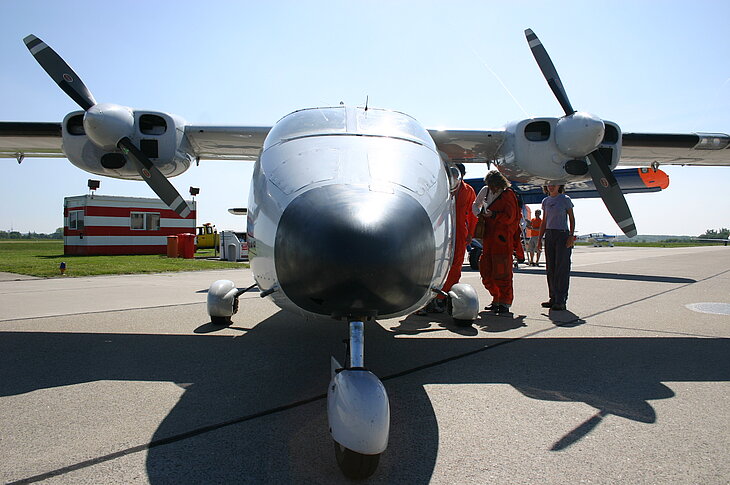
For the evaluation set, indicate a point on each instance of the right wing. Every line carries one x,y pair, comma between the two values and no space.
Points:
28,139
226,142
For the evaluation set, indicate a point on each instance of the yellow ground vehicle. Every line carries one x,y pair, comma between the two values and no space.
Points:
207,236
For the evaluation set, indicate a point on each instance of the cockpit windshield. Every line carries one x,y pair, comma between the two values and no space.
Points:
343,120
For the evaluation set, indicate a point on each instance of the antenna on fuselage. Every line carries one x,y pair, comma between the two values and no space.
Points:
366,103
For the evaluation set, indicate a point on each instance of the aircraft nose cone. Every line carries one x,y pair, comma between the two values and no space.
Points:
354,254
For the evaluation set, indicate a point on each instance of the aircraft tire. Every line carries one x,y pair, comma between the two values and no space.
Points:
355,465
463,323
224,321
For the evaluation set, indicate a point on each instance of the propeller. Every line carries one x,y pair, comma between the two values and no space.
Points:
108,126
598,166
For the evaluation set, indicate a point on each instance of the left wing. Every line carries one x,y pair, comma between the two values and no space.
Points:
642,149
466,146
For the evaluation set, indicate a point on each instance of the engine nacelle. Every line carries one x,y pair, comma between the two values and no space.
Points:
533,154
160,136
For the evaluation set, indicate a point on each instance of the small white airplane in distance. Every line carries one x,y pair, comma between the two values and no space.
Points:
351,209
598,239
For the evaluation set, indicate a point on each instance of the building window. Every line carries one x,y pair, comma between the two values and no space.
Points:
152,221
76,220
144,221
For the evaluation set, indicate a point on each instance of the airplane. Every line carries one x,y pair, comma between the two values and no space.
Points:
712,240
598,239
374,179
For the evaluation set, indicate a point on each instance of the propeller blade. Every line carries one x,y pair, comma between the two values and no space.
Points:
549,71
611,193
60,72
154,178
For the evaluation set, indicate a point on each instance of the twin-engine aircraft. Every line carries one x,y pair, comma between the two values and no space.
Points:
351,209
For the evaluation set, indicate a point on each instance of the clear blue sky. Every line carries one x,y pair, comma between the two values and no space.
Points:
656,66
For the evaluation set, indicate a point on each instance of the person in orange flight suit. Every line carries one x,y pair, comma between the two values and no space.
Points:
464,224
502,217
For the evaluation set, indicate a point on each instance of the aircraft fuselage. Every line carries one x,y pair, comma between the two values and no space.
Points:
350,214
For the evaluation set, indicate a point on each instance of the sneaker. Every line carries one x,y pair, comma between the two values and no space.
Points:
490,307
430,306
558,307
501,309
546,304
437,305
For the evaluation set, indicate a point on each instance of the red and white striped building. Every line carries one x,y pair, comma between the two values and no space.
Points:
108,225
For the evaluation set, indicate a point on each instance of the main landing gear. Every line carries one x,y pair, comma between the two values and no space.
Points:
357,410
223,301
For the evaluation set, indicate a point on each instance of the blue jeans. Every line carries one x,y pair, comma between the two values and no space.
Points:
557,263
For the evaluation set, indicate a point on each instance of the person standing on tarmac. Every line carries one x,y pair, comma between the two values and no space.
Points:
501,217
558,228
533,232
464,223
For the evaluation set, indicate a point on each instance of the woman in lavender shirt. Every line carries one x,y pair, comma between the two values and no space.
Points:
558,228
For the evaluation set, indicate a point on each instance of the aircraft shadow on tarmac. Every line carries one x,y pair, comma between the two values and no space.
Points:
253,408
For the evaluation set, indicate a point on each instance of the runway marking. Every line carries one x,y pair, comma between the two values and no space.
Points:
708,307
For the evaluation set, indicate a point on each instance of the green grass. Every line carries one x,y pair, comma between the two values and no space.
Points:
43,258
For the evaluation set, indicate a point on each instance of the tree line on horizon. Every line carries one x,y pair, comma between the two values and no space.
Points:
58,234
722,233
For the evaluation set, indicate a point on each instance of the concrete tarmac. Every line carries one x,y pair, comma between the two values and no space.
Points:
122,379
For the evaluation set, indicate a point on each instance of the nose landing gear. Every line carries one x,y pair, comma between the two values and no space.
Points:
358,410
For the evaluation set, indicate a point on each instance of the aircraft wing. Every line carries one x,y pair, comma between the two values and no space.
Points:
638,149
469,145
32,139
226,142
245,142
710,149
41,139
28,139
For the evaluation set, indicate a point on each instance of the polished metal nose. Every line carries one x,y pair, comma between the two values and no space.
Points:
354,253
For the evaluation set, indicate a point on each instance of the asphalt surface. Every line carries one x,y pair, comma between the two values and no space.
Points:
122,379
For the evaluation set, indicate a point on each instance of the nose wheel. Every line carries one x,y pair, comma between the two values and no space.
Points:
355,465
358,411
